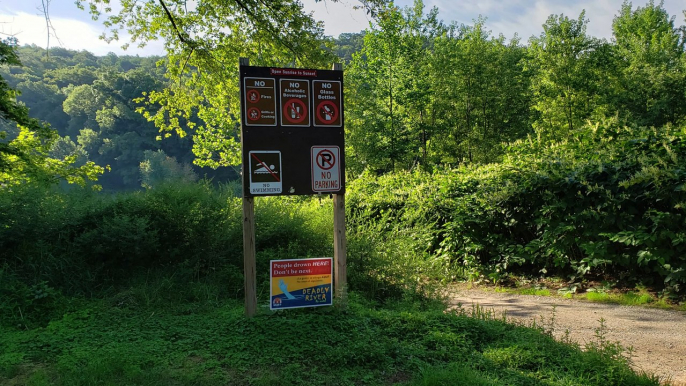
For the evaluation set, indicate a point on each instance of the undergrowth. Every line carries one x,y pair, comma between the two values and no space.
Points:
181,242
143,287
199,343
607,202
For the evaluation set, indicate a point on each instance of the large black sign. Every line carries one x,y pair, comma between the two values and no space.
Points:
292,131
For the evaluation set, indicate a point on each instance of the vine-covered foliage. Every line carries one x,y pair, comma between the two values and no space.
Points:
606,203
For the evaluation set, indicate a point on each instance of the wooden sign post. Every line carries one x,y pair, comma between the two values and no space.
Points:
339,240
249,266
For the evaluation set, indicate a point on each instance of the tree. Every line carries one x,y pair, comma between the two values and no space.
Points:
650,57
481,94
204,42
157,168
103,119
389,94
421,93
24,157
347,44
565,85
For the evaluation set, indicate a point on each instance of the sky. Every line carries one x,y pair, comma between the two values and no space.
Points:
75,29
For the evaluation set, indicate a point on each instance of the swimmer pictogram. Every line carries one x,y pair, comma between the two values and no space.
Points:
265,172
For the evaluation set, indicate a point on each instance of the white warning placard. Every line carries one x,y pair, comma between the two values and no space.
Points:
326,169
265,172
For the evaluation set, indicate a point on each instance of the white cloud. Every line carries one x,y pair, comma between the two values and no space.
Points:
73,34
339,17
526,17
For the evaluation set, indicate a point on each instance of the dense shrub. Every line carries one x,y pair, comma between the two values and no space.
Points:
84,242
609,202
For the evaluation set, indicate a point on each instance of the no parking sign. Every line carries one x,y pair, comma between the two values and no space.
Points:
326,171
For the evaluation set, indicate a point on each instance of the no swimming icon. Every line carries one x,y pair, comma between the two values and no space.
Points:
265,172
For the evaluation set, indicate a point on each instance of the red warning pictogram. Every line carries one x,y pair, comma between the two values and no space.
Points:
254,114
259,102
265,172
326,159
295,111
327,112
253,96
264,169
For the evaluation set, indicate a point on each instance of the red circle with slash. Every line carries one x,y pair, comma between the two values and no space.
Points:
291,113
326,159
253,96
330,108
256,116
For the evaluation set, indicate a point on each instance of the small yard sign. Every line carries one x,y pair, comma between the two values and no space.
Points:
299,283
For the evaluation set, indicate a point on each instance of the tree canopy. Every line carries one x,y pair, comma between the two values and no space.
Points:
204,41
25,142
419,92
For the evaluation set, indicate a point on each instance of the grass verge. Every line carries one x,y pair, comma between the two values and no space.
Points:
637,297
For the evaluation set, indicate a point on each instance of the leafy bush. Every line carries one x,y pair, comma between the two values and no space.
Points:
609,201
181,241
392,235
83,240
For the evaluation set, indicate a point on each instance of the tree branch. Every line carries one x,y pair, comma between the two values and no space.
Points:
266,26
178,32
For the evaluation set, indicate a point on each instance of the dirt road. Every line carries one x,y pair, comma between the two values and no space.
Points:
658,337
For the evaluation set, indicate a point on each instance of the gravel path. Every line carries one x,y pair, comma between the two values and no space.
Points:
658,337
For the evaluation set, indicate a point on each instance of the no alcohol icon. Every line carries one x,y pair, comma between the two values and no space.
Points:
295,111
295,102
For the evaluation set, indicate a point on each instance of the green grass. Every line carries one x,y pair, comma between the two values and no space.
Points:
638,297
525,291
212,343
627,298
